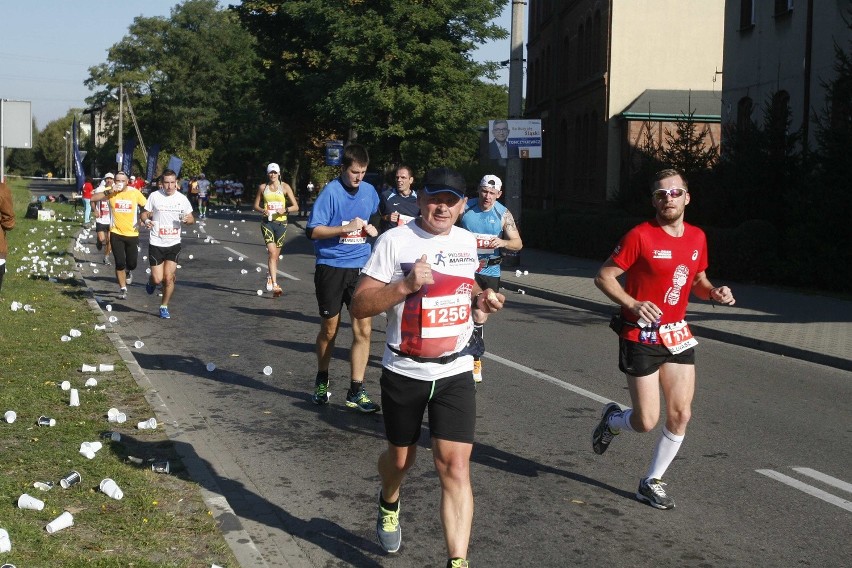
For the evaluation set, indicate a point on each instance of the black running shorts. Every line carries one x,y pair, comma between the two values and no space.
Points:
640,360
158,255
485,281
334,287
125,251
273,232
451,402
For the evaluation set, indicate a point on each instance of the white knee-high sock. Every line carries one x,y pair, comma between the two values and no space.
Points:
667,447
620,421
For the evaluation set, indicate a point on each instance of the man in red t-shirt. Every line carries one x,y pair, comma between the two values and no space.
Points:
664,260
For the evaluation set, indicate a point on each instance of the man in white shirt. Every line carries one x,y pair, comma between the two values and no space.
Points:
165,211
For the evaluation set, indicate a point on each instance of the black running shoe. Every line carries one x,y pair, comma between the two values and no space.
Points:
603,434
651,492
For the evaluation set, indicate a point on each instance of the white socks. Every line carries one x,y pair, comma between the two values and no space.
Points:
667,447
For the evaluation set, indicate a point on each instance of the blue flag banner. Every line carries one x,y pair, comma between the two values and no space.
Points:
153,152
174,164
127,155
78,160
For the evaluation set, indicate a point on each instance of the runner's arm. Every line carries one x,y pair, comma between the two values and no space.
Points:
607,282
703,288
512,240
373,297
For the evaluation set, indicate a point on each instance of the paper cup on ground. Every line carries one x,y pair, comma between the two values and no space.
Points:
89,369
65,385
150,424
70,479
26,501
10,416
106,367
111,488
112,413
74,398
267,370
65,338
63,521
120,418
75,333
5,543
91,382
138,345
113,319
100,327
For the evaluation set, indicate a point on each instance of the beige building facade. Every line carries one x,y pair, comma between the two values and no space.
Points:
590,60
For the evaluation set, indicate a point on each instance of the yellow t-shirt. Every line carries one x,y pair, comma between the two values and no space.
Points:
275,202
124,207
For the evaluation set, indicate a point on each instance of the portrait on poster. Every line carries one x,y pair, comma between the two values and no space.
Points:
514,139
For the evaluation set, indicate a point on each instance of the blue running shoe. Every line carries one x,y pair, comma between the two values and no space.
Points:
164,312
361,401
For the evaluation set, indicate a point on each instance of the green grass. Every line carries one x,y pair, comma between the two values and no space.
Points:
162,520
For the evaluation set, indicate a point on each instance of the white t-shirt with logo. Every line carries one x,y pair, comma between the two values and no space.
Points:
436,321
168,210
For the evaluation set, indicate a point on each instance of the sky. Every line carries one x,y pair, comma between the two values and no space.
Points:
47,47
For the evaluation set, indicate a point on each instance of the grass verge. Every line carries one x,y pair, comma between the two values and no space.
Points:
162,520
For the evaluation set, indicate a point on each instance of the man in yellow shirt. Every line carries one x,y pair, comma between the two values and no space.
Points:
124,202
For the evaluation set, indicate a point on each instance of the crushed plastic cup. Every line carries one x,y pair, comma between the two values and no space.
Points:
111,436
100,327
26,501
211,367
106,368
150,424
113,319
138,344
43,485
526,272
191,257
65,385
240,258
16,306
230,259
75,333
64,338
260,292
88,369
518,273
243,271
109,307
10,416
63,521
5,543
112,413
258,269
74,398
46,421
86,451
111,488
91,382
71,478
267,370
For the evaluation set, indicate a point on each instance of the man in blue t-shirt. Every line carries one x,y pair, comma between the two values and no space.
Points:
340,223
495,229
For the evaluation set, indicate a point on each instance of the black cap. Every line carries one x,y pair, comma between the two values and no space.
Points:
439,180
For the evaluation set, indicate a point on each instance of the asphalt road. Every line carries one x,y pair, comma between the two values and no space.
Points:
768,433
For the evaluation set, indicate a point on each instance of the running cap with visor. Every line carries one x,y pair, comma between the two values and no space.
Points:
440,180
273,167
491,181
109,175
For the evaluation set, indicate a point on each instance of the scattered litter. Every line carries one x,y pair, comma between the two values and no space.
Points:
211,367
89,369
111,436
161,466
109,307
10,416
243,271
106,367
150,424
91,382
46,421
138,344
111,488
66,385
70,478
113,319
260,292
191,257
26,501
100,327
75,333
258,269
526,272
267,370
74,398
65,338
43,485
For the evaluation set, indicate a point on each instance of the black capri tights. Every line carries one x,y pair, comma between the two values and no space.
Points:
125,251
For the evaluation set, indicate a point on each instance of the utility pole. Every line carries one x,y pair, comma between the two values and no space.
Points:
514,171
119,157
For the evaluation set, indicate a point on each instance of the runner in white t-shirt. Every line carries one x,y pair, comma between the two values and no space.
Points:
165,211
422,275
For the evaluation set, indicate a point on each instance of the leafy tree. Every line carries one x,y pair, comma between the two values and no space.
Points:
191,80
388,72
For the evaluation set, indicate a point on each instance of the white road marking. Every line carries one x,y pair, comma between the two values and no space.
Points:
551,380
809,489
827,479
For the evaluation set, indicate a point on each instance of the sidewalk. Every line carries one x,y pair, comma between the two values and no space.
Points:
809,327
